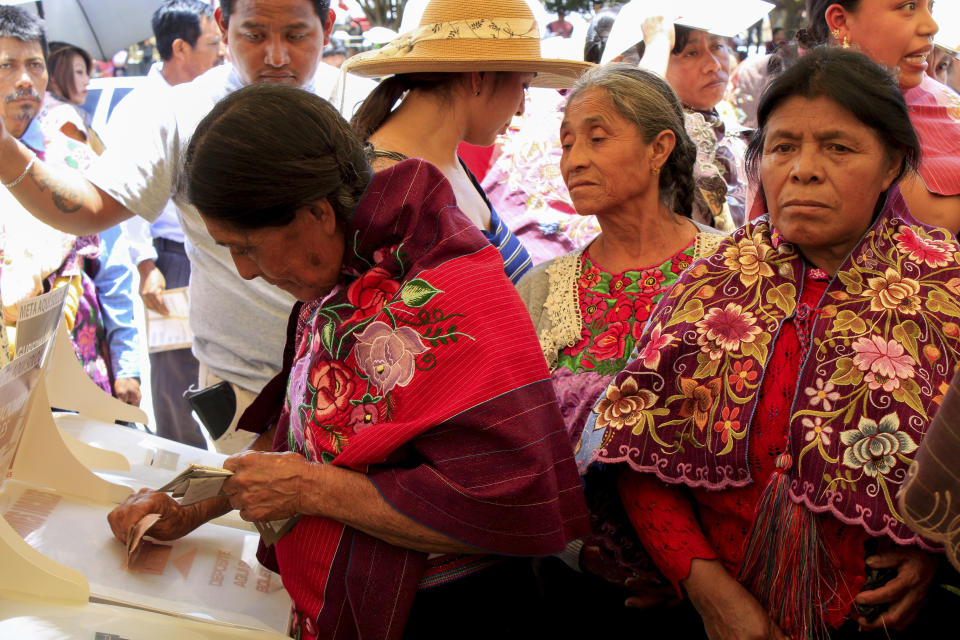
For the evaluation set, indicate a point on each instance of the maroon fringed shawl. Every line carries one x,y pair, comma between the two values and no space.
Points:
422,370
884,340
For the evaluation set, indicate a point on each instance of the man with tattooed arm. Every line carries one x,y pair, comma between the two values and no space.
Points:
269,41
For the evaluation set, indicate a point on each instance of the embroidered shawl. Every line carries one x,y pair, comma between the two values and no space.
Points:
421,370
935,115
883,340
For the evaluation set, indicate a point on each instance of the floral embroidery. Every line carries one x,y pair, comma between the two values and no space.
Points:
650,356
698,400
627,406
614,309
823,394
919,247
815,429
332,386
725,329
370,292
386,355
742,375
340,388
748,257
884,362
874,447
894,292
882,344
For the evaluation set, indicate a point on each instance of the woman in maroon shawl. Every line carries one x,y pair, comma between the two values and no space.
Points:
784,384
414,414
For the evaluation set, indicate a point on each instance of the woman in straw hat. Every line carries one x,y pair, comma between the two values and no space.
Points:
462,75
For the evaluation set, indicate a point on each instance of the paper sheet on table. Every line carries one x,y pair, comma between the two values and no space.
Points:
172,331
134,537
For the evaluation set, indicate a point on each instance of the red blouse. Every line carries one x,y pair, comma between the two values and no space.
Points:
677,525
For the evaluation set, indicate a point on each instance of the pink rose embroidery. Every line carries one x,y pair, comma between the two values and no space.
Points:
386,355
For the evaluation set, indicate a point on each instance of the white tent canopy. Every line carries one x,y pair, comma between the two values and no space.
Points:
102,27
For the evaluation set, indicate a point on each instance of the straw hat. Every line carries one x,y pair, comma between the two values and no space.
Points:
465,35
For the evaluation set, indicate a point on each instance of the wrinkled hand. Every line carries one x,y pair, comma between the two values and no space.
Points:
152,286
645,594
175,521
266,486
905,592
729,611
128,390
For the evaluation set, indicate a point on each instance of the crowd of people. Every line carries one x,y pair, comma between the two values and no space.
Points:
658,364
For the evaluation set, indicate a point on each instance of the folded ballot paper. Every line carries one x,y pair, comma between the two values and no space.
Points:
199,482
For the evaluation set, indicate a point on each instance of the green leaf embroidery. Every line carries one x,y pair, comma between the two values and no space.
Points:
418,292
847,373
326,336
906,333
849,322
940,302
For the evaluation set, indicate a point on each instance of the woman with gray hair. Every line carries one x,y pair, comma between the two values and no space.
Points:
627,160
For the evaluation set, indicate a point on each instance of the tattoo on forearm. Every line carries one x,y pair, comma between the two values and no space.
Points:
64,198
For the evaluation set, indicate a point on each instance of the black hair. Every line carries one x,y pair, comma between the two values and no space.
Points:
652,106
681,36
853,82
20,24
267,150
321,7
817,31
178,19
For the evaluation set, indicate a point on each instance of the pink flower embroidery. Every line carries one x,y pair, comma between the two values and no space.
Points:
823,394
815,429
650,355
725,329
593,308
885,363
936,253
363,416
386,355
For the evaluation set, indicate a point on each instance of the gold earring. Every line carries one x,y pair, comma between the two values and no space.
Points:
846,42
655,170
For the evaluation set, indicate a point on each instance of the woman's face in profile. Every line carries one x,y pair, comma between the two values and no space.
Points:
897,34
80,79
699,73
302,257
822,172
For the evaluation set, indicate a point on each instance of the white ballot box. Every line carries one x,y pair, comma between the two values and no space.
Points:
65,575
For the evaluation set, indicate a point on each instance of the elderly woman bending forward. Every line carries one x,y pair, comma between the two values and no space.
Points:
414,414
788,379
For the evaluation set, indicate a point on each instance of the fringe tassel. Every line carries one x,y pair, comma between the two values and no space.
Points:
787,566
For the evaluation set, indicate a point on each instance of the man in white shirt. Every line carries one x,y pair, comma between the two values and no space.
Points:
188,41
238,325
